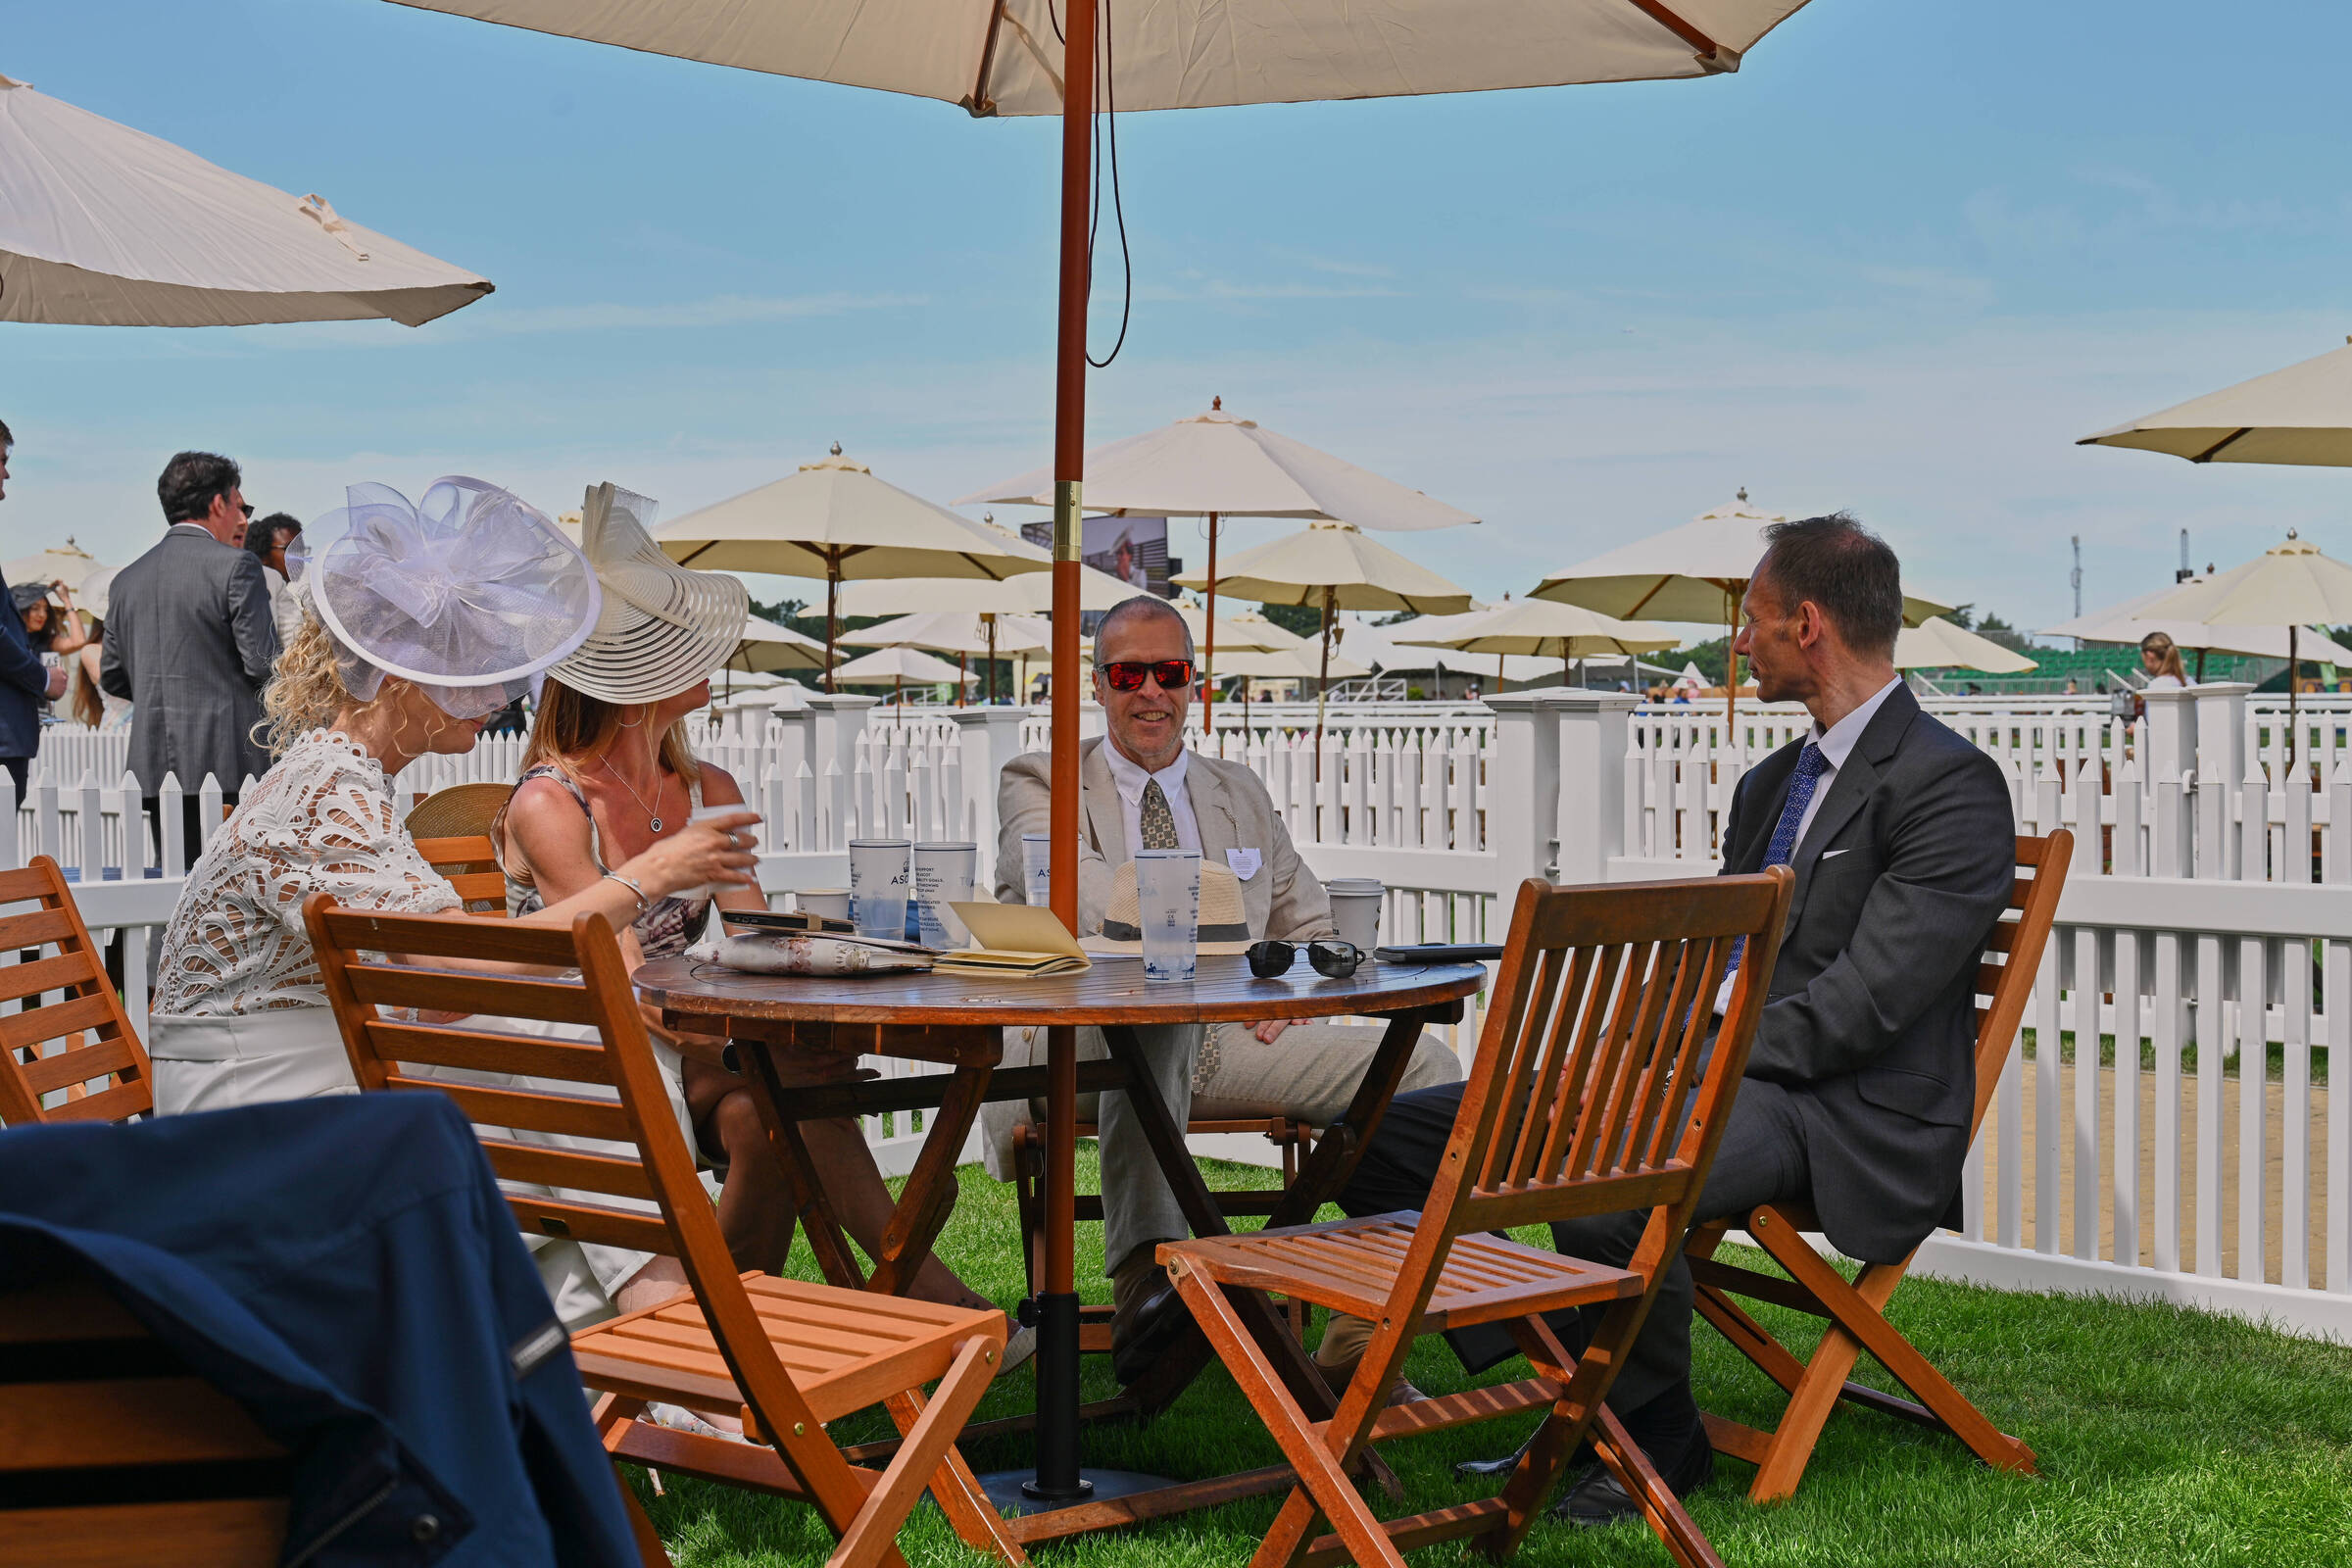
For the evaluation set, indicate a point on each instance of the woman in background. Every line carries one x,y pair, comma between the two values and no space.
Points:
2159,658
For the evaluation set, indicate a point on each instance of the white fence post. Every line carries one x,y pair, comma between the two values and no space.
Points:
992,737
1526,794
1591,731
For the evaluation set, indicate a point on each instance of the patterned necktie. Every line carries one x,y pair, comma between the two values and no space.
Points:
1157,823
1810,765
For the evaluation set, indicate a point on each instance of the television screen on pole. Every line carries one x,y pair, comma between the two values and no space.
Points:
1134,549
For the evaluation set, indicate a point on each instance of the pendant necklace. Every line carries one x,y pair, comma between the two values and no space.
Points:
656,821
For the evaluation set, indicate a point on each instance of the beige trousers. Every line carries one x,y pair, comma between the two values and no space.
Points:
1310,1073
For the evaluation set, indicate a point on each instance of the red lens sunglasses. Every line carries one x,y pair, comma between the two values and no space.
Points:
1173,674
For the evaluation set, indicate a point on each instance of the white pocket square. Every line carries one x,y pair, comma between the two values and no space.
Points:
1831,855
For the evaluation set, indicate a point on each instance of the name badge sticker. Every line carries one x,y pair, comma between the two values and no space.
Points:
1244,863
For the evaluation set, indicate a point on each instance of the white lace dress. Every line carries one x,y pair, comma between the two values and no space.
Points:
240,1014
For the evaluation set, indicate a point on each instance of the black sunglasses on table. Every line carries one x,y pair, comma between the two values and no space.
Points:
1334,960
1126,675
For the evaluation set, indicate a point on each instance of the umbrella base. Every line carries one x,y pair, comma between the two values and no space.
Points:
1008,1492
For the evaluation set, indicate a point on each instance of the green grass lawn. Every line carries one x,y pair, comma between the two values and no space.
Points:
2165,1437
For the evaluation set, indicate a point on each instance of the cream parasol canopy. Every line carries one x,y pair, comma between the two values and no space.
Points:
898,666
1544,629
2299,416
1029,594
103,225
1032,57
2129,622
1937,644
67,564
834,520
2293,584
946,631
768,647
1216,465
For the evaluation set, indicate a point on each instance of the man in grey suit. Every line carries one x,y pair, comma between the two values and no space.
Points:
1141,788
190,641
1859,1086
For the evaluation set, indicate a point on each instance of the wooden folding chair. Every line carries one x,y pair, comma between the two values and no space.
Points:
1856,1311
787,1356
452,830
112,1451
1588,1096
77,1058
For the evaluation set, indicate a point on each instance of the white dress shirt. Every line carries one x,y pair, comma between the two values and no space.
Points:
1129,777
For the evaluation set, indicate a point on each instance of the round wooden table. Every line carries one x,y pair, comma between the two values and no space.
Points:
956,1019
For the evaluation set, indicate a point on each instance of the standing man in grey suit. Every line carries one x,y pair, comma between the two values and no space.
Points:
1862,1078
190,641
24,681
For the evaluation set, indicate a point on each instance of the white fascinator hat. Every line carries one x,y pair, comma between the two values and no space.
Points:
663,626
469,593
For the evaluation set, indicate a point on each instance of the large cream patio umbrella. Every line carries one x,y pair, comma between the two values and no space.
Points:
768,647
1544,630
834,520
959,632
2291,584
2128,622
1937,644
67,564
1216,465
1334,567
898,666
2301,415
1016,57
103,225
1696,572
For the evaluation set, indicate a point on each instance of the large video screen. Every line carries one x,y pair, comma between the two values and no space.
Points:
1134,549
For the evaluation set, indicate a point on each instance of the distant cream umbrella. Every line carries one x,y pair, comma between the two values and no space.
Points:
961,633
2128,622
898,666
1696,572
1544,630
67,564
834,520
2299,416
1029,594
1937,644
1334,565
2291,584
768,647
1216,465
103,225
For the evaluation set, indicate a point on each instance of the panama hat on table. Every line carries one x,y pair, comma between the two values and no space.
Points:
663,626
1224,923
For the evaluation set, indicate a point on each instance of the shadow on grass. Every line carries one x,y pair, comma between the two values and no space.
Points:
2165,1437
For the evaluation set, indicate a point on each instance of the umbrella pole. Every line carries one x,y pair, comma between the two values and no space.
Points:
2295,691
1208,656
1323,681
832,612
1056,1478
991,622
1731,659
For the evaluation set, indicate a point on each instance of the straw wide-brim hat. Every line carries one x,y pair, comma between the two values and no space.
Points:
1224,923
663,626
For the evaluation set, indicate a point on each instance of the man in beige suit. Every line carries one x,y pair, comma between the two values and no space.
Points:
1141,788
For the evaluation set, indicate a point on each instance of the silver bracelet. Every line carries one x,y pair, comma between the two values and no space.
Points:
643,903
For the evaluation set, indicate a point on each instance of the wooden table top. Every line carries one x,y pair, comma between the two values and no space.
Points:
1113,990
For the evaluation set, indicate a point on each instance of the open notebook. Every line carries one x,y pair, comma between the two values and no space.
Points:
1015,939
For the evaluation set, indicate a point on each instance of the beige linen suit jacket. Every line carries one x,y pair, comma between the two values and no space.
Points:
1231,808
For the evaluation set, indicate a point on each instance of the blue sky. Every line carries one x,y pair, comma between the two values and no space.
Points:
1897,263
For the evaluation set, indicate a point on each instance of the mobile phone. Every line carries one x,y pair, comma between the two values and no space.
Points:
1442,952
793,921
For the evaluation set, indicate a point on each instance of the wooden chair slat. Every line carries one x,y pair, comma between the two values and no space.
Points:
125,1421
60,972
117,1101
214,1532
101,1058
616,1177
591,1222
37,1025
35,928
476,887
452,936
454,991
492,1051
22,884
470,850
528,1110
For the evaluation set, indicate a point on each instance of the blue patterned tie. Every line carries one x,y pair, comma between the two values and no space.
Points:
1810,765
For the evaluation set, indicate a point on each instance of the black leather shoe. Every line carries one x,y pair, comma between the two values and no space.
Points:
1144,1338
1596,1500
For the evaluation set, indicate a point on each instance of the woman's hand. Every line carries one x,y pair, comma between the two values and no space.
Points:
716,851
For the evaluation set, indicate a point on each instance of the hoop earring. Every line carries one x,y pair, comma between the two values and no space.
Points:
628,724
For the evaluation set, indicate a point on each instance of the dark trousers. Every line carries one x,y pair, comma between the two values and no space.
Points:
1760,1160
191,820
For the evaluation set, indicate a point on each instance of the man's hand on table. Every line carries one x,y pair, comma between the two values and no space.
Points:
1271,1030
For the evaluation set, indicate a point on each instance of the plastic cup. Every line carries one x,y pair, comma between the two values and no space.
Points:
1037,876
1167,907
1356,903
878,872
943,874
833,903
703,814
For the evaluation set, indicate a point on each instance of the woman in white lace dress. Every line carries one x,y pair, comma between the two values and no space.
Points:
432,617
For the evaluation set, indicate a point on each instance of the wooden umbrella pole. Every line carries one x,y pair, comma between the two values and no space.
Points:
1731,659
991,622
2295,691
1323,680
1057,1478
832,612
1208,654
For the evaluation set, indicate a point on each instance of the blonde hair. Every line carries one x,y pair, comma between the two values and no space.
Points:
306,690
570,724
2168,656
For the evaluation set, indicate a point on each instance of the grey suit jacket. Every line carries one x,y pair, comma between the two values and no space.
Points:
1870,1021
189,642
1231,807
